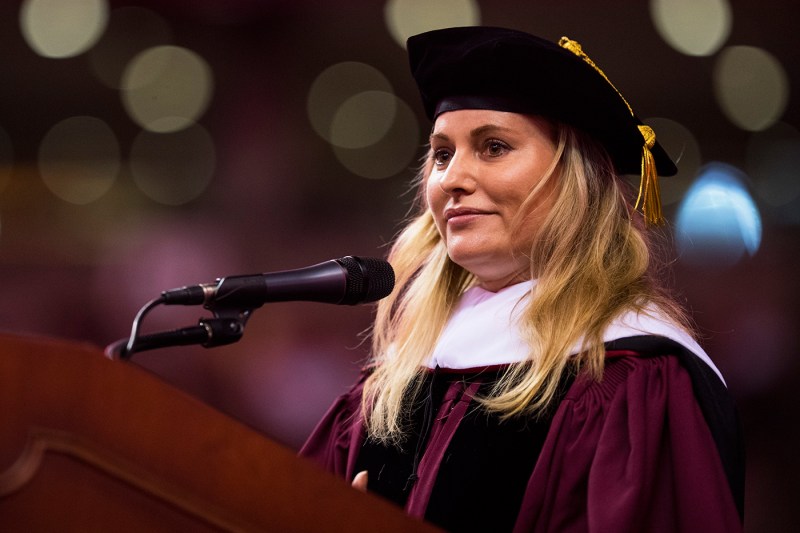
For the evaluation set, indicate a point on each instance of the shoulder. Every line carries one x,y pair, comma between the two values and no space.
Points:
639,450
339,432
651,331
649,369
653,380
348,404
645,379
663,357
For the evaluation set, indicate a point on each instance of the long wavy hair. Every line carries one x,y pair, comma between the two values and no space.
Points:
591,256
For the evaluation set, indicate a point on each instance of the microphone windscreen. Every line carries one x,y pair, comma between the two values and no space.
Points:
368,279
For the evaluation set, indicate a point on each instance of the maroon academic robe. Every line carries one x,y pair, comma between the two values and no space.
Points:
633,452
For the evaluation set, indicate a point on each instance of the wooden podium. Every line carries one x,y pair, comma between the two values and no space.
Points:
91,444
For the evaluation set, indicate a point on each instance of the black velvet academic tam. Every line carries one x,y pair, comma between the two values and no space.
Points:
509,70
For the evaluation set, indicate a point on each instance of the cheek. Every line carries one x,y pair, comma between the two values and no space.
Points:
547,196
537,209
435,200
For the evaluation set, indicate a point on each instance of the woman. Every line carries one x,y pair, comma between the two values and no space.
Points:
529,372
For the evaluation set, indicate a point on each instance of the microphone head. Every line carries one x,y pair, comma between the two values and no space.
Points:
368,279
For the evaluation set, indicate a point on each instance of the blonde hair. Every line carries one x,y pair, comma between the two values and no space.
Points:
592,261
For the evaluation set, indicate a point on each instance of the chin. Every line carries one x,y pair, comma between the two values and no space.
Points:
489,268
480,265
468,260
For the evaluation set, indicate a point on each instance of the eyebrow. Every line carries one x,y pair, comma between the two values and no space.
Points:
477,132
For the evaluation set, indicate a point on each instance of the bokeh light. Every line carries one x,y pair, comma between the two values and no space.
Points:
130,30
62,28
338,85
773,162
79,159
392,154
692,27
166,88
6,159
405,18
751,87
717,223
374,134
363,119
173,168
683,148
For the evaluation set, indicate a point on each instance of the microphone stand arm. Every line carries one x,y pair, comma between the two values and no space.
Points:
209,332
226,327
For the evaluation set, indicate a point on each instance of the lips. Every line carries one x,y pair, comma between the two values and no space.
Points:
462,214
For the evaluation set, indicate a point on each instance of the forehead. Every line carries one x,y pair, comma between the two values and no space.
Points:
474,121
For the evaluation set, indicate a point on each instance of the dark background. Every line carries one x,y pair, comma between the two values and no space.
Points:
280,199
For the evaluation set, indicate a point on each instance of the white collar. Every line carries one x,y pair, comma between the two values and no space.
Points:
478,332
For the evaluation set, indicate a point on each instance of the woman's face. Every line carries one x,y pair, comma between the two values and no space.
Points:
485,164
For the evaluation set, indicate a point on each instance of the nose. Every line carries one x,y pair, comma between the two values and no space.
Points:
459,177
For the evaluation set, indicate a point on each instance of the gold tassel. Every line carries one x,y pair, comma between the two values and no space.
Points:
649,195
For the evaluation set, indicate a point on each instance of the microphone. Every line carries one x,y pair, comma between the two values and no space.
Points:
348,281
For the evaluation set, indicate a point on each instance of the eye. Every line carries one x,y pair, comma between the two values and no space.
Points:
495,148
441,157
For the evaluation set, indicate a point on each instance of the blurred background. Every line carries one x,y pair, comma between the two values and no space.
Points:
146,145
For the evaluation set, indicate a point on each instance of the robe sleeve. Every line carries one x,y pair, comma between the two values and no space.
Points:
335,441
630,453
